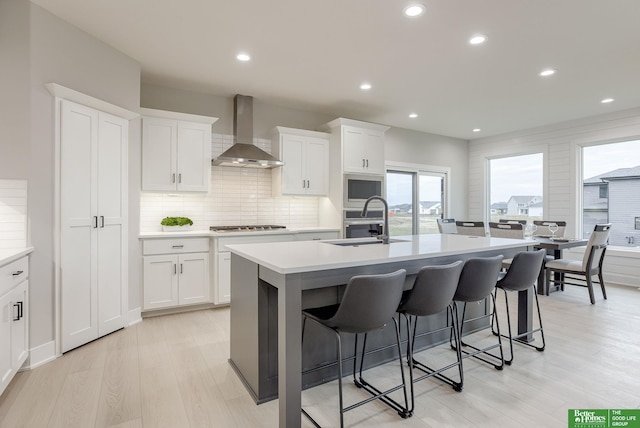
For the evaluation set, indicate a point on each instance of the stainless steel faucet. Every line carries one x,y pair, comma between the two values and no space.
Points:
385,233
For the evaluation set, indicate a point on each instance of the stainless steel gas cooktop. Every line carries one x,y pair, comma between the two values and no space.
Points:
249,228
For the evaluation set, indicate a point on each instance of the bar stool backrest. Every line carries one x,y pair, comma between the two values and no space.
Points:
598,239
369,302
524,270
478,278
506,230
447,225
472,228
543,228
432,290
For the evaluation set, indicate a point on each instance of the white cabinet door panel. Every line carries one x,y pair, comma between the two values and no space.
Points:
193,156
193,284
6,318
224,278
293,172
317,166
19,327
159,144
160,281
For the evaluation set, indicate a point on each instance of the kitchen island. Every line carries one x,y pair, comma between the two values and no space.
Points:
272,283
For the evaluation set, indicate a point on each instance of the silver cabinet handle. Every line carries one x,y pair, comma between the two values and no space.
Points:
180,178
308,184
177,246
173,177
303,185
175,268
101,221
367,163
181,268
18,305
95,221
363,162
18,273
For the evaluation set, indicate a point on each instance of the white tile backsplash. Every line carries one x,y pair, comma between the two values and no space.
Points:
236,196
13,214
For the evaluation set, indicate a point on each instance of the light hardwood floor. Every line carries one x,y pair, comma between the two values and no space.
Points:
172,371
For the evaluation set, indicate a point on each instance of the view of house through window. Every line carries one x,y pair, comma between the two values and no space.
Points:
515,185
415,201
611,190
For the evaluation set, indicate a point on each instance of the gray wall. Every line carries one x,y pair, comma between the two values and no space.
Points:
265,116
14,87
63,54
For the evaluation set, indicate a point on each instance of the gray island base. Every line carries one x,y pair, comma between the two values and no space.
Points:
272,283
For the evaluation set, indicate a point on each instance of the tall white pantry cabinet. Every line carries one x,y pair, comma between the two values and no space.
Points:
93,153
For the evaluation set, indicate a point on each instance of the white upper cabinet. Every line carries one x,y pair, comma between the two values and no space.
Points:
176,151
359,144
363,150
306,162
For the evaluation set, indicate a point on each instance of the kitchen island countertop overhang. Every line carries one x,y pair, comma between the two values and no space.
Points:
298,257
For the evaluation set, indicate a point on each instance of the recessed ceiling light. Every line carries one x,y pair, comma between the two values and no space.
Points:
413,115
547,72
478,39
243,57
365,86
476,129
607,100
413,10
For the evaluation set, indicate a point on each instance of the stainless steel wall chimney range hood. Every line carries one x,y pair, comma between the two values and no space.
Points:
243,153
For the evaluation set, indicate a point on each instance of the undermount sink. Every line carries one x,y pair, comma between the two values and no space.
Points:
356,243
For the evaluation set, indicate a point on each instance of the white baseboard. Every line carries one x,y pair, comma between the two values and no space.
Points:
135,316
40,355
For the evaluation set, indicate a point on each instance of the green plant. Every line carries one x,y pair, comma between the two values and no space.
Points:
176,221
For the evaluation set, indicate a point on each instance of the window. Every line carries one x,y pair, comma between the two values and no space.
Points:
611,190
515,185
416,199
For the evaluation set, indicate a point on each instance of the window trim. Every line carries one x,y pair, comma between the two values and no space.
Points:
532,150
417,169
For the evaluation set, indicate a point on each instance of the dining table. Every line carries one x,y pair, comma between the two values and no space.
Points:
554,247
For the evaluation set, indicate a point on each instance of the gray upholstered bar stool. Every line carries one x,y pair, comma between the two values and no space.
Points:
432,293
477,282
522,274
368,304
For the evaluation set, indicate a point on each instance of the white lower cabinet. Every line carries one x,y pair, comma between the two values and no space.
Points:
223,291
14,326
176,272
222,256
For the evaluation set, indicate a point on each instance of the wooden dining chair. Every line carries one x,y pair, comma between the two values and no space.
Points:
506,230
471,228
585,269
447,225
507,220
542,228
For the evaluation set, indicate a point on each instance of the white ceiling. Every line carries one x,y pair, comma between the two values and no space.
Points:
314,55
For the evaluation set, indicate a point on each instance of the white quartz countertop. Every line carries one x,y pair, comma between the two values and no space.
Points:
8,256
308,256
206,233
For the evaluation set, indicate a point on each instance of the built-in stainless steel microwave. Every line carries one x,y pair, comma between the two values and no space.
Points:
358,188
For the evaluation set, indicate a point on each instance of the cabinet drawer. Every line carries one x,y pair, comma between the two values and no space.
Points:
13,274
317,236
175,246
